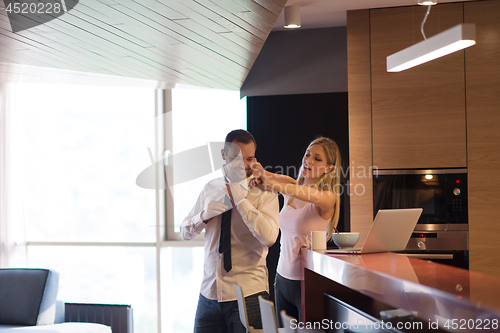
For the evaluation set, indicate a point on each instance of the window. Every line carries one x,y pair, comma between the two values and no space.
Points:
80,150
105,274
200,116
181,273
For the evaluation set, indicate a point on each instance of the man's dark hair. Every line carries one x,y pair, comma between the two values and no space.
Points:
239,135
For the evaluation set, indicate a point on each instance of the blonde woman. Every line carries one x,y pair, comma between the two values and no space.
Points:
311,204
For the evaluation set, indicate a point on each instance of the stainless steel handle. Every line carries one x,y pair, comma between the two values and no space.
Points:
417,172
429,255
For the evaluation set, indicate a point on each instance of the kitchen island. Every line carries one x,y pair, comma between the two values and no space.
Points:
439,297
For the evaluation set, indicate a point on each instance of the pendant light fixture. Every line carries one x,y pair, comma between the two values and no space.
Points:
427,2
454,39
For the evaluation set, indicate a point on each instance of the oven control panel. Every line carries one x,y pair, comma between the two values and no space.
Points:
438,241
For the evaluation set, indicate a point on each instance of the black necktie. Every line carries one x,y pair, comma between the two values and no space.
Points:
225,235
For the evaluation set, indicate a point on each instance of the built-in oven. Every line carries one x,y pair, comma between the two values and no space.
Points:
441,233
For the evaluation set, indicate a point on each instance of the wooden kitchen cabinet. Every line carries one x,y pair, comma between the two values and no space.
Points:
411,119
442,114
418,115
360,124
483,136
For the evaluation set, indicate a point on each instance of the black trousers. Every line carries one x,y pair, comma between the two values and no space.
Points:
287,297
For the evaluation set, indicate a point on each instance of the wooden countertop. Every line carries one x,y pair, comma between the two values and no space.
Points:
431,291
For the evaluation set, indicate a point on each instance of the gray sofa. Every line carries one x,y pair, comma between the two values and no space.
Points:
28,304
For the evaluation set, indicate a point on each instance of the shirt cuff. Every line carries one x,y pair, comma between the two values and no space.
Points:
199,224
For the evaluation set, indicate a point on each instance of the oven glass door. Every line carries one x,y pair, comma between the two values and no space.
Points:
442,194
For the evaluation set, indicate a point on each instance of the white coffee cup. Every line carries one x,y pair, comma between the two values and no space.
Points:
317,240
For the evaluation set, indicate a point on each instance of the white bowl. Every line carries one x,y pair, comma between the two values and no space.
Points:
345,239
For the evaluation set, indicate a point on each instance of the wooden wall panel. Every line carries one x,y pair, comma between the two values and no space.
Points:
418,114
483,136
360,135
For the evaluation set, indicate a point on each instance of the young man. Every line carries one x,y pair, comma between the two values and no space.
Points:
254,226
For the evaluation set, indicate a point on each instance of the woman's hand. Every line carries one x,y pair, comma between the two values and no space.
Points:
261,177
258,172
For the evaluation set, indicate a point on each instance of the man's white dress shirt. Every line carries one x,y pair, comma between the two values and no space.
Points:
254,228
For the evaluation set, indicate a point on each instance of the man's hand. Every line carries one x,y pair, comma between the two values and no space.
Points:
214,208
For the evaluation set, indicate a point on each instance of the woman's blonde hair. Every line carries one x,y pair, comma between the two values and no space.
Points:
330,181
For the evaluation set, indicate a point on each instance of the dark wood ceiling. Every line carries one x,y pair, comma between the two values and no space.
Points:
209,43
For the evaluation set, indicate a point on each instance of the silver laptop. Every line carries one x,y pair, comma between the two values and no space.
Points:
390,231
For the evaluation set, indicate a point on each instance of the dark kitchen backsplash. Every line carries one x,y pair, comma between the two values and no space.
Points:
284,125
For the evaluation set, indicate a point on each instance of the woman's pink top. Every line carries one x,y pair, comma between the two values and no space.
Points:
295,225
